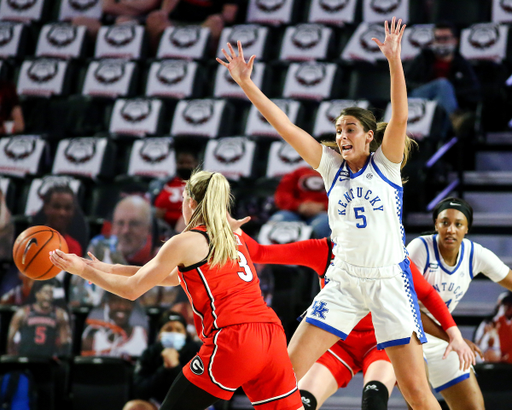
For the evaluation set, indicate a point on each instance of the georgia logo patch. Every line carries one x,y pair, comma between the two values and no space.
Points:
197,366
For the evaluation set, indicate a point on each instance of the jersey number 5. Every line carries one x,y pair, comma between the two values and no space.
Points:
359,211
247,274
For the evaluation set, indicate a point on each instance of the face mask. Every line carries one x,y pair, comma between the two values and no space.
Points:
443,50
174,340
184,173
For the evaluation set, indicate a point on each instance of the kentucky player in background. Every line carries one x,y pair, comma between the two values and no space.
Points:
371,270
449,262
244,344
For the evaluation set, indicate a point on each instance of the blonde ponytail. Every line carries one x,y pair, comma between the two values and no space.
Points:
212,193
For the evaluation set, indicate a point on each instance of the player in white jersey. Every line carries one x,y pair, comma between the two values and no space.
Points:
449,262
370,271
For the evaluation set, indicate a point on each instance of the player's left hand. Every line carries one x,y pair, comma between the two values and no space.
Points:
68,262
392,43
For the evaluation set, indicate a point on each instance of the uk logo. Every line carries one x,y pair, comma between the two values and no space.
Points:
319,309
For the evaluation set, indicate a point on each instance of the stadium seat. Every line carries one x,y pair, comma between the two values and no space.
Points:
22,155
501,11
333,13
255,40
61,41
282,159
377,11
69,9
462,13
312,81
136,117
257,125
152,158
44,77
175,79
284,232
361,46
233,157
25,12
203,118
186,42
226,87
486,41
121,41
13,39
327,113
416,37
307,42
110,78
273,13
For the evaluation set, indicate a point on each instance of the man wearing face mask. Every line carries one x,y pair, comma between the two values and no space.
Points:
168,202
161,362
442,74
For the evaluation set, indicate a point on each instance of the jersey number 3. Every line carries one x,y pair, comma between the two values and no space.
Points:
247,274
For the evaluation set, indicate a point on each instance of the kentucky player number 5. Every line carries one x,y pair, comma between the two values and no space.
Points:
359,211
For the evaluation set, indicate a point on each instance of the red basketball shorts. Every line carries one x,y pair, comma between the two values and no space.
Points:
349,357
252,356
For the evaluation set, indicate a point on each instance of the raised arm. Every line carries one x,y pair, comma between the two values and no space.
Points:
307,147
394,136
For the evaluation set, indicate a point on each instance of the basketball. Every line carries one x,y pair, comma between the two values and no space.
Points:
31,252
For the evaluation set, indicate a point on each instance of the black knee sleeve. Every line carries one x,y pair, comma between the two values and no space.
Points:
184,395
308,400
375,396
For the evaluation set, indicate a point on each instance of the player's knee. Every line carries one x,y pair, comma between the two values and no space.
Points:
308,400
375,396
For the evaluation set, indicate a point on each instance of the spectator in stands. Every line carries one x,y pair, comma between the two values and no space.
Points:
118,12
301,196
11,115
169,200
116,328
161,362
6,230
211,14
129,242
41,328
442,74
19,294
59,208
504,329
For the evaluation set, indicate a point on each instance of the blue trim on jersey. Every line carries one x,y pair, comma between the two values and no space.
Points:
428,255
352,175
452,382
396,342
436,251
335,178
413,299
400,188
326,327
471,259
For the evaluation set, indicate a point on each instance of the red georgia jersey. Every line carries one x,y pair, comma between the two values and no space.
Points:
225,295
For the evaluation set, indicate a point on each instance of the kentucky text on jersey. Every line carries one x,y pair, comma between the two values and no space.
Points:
367,194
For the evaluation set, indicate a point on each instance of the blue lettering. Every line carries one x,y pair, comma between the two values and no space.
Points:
437,288
380,208
450,288
374,200
347,196
444,286
359,192
342,204
367,195
342,212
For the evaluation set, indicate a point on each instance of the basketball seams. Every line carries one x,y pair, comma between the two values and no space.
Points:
37,253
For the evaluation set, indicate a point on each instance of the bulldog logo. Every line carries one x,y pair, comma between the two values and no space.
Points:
374,30
185,37
119,36
484,35
417,110
335,108
312,183
136,110
51,181
288,155
61,35
198,111
506,5
269,6
197,366
307,36
333,6
247,34
19,148
310,74
285,233
282,104
80,150
229,150
6,33
155,150
41,71
385,6
172,72
109,71
82,5
421,36
21,5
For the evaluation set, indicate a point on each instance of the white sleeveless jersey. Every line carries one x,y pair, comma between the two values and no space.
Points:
365,210
452,282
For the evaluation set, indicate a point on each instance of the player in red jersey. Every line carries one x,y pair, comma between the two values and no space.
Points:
335,368
244,344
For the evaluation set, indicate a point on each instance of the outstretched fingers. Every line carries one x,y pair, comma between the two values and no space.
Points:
240,50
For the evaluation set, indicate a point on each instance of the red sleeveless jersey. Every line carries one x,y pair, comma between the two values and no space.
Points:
225,295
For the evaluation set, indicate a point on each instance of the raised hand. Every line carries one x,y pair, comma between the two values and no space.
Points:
238,68
392,43
68,262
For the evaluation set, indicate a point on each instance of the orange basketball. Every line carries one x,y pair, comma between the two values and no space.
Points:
32,248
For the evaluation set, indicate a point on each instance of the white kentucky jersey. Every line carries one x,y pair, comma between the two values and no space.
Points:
452,282
365,209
